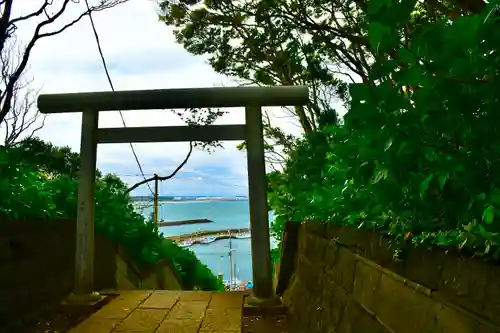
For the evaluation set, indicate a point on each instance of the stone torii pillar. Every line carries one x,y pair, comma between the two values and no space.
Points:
252,98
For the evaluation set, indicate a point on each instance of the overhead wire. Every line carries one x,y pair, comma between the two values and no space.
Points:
152,174
108,76
194,179
99,48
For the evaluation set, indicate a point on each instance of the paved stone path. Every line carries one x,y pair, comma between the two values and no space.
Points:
163,311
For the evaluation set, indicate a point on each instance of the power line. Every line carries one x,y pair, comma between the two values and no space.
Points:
220,183
113,88
152,174
195,179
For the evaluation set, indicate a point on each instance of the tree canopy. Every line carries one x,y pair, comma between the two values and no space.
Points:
415,155
322,44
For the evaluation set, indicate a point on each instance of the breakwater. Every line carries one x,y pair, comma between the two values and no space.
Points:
195,237
182,222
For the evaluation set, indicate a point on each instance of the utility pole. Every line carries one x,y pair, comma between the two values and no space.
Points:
155,205
230,255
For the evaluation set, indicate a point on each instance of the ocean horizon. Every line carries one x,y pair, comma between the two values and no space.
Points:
225,215
188,197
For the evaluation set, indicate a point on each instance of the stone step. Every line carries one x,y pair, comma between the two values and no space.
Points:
259,308
162,311
267,324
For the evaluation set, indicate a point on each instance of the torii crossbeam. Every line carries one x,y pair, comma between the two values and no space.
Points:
252,98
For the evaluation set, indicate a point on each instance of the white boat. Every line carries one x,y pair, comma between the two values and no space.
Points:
244,235
207,240
186,243
233,285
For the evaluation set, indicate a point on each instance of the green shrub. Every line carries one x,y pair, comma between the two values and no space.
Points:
30,191
417,154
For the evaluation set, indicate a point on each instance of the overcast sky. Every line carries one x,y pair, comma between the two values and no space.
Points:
141,54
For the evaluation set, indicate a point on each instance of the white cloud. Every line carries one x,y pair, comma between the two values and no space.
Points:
141,54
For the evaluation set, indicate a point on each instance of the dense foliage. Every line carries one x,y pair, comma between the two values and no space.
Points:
417,153
259,42
36,183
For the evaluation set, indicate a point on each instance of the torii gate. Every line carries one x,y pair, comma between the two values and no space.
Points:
252,98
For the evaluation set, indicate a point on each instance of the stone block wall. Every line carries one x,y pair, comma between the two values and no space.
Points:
346,281
37,260
129,276
37,267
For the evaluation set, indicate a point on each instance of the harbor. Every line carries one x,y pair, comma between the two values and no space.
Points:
224,245
232,281
210,236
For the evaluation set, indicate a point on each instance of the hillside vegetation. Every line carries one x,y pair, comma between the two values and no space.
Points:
39,181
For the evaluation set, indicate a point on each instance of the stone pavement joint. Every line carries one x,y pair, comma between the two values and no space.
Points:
142,320
161,299
163,311
122,306
196,296
188,310
179,326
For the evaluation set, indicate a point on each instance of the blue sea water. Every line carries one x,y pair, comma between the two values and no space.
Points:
225,214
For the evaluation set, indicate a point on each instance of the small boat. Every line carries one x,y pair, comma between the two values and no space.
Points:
186,243
244,235
207,240
236,284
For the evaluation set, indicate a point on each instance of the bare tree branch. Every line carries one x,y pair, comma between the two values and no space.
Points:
27,17
164,177
24,115
25,118
8,26
4,22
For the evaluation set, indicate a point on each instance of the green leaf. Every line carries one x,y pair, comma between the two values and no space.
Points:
381,174
388,144
482,231
383,68
263,76
377,33
424,118
375,6
489,214
442,239
442,180
495,197
359,92
481,196
403,9
465,29
415,75
424,186
406,56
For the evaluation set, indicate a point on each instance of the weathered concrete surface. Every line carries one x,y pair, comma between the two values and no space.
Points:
163,311
345,281
267,324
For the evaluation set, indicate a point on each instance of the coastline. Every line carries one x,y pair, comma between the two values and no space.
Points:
185,201
226,213
220,233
